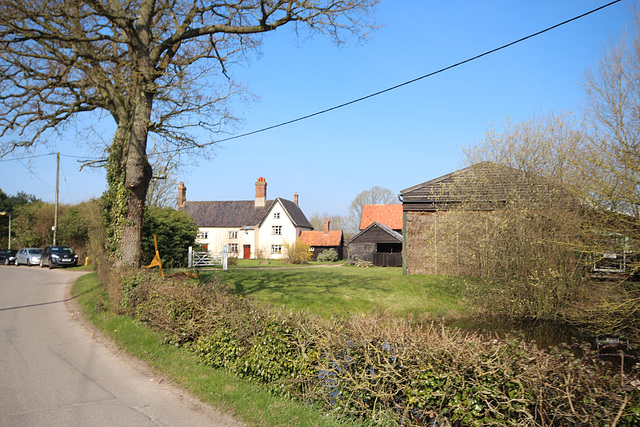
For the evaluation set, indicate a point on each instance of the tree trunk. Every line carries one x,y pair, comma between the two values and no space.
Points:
136,180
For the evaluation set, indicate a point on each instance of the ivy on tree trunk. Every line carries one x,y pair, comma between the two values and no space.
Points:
128,175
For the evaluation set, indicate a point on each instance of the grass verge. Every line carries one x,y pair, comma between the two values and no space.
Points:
240,398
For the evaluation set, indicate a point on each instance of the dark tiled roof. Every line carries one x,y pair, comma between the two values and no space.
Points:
240,213
483,183
295,213
394,234
389,215
318,238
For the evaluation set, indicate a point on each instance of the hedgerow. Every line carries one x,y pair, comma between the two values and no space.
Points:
386,371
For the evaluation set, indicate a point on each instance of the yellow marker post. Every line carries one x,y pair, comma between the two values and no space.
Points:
156,259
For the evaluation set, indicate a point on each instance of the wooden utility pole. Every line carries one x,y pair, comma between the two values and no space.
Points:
55,217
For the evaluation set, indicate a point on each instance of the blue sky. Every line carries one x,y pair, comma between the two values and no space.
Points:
395,140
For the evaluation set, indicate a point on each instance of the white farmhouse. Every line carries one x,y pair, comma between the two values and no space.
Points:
250,228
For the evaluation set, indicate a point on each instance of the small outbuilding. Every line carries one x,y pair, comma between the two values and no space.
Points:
377,244
322,240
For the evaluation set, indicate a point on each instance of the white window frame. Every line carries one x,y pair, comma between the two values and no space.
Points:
233,235
276,230
232,248
276,249
202,235
276,215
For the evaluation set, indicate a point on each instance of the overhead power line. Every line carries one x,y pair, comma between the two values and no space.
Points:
380,92
13,159
441,70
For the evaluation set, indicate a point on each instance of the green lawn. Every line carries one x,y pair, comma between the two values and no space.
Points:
327,290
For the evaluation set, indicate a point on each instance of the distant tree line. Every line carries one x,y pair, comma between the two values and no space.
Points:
81,226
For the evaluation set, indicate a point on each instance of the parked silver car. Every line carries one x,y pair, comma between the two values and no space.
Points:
29,256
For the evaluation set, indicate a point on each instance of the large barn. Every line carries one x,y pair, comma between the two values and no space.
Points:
450,221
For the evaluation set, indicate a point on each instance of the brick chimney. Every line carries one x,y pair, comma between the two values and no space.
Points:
261,193
295,198
182,195
327,225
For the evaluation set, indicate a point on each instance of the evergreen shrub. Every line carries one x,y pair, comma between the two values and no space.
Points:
328,255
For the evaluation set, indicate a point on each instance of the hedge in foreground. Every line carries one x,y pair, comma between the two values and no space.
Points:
386,371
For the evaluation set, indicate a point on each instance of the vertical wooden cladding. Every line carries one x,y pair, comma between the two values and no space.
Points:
374,240
362,250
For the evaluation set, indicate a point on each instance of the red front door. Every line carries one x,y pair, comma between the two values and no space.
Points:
247,251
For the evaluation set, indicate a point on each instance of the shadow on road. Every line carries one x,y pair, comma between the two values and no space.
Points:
49,302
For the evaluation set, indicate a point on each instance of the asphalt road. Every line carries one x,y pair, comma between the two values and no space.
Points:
55,372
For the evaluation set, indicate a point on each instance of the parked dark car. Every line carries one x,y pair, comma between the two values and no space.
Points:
28,256
58,256
8,256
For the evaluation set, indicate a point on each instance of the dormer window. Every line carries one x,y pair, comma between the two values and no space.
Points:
276,215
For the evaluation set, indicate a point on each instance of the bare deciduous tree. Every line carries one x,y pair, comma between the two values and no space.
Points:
336,222
374,196
154,66
611,175
163,184
598,160
545,145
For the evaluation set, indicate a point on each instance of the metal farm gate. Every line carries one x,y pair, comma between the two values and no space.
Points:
208,259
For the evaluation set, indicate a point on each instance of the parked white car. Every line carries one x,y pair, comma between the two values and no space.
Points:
29,256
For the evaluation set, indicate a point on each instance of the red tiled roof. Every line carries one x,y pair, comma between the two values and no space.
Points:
318,238
389,215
